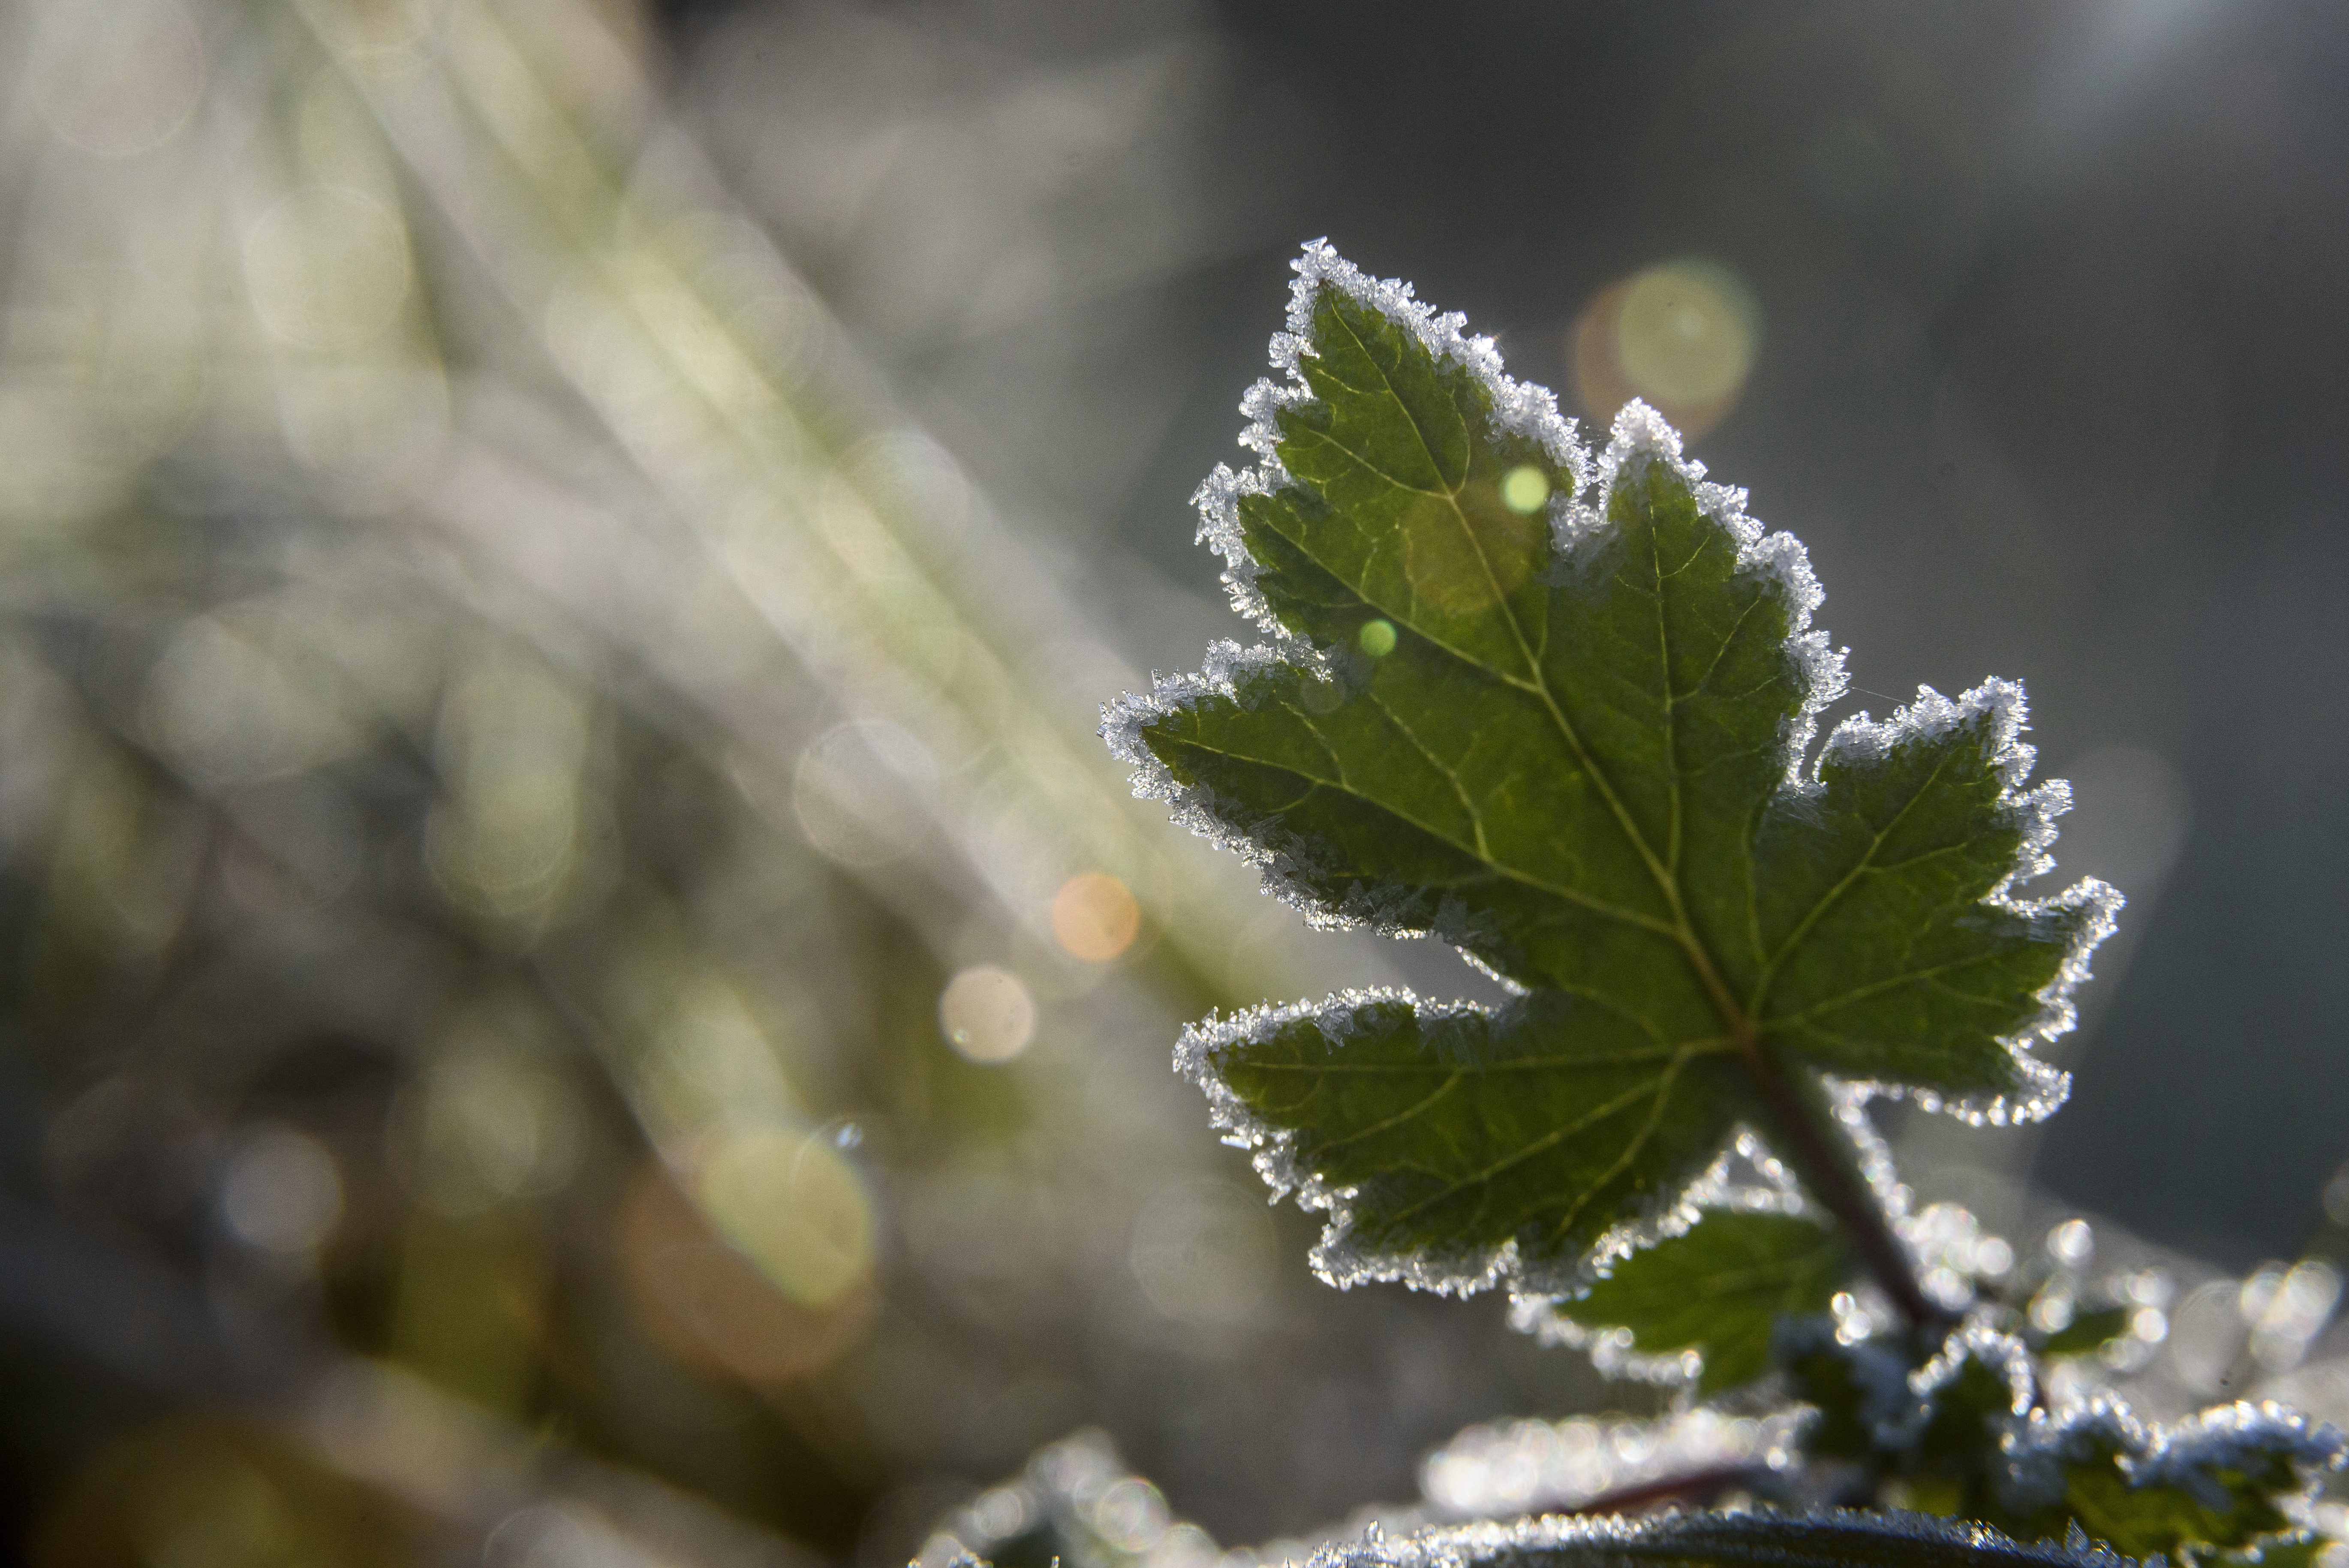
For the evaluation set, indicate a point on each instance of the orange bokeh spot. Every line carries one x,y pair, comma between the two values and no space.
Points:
1094,917
711,1307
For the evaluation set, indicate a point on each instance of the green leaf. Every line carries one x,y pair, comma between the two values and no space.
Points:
1825,1376
2216,1483
1744,1539
1954,1463
1577,743
1980,1447
1719,1289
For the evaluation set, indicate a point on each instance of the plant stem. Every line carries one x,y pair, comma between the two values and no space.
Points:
1835,1181
1826,1168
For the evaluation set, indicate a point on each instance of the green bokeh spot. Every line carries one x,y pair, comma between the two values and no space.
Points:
1524,488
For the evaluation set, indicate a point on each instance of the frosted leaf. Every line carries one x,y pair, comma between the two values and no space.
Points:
1594,773
1976,1429
1705,1304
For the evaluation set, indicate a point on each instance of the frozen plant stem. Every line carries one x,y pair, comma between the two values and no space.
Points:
1833,1179
1826,1168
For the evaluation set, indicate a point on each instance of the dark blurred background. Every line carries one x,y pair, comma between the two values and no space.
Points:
576,985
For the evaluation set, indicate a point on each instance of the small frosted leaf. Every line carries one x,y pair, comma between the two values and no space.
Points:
2220,1480
1970,1435
1720,1290
2297,1548
1576,742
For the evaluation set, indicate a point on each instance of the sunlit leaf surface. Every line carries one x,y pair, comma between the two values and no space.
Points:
1719,1289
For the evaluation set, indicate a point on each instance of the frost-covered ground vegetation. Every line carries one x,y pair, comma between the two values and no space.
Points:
1559,708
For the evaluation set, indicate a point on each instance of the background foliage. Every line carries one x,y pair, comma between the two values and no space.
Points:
555,561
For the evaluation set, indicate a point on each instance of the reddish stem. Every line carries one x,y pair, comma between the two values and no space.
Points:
1834,1181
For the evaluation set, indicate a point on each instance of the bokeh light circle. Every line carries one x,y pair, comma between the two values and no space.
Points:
1682,335
1687,333
987,1014
1205,1254
1525,488
856,793
327,267
121,77
1095,917
281,1192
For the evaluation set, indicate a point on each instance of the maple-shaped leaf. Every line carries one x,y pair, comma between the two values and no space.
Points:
1558,710
1718,1289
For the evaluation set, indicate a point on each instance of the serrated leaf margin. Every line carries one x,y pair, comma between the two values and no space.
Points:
2172,1455
2034,810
